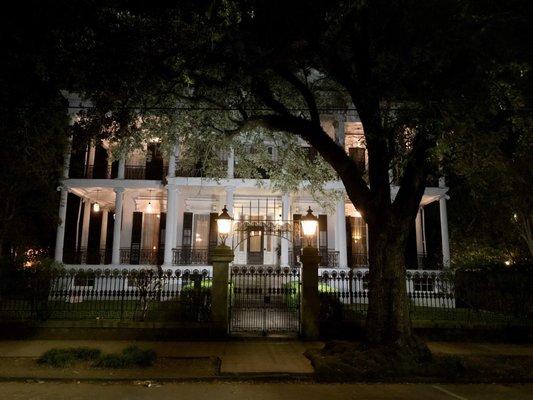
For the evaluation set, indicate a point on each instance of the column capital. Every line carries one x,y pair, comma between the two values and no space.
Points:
118,190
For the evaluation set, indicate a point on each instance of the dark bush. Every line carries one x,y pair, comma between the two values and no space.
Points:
61,358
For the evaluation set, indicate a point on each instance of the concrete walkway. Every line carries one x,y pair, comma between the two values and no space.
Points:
247,356
236,356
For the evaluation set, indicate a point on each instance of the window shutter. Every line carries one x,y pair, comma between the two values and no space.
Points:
136,235
213,234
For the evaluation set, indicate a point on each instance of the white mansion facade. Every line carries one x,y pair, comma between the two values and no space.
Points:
145,210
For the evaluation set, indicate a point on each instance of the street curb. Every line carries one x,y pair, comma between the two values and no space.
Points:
260,378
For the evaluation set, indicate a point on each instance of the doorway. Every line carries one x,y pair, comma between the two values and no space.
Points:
255,255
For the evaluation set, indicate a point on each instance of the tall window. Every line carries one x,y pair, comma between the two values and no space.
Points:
201,230
150,231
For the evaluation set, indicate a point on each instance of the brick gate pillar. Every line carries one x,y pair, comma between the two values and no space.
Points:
310,301
222,256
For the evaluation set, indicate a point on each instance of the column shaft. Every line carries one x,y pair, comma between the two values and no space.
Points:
119,199
103,230
340,239
444,233
170,229
86,222
285,205
60,235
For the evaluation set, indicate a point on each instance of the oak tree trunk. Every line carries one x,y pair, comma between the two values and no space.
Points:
388,323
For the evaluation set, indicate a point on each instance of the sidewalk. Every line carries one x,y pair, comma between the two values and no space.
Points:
236,357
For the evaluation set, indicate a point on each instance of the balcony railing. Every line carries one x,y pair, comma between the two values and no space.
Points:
141,256
133,172
87,256
329,258
185,255
104,256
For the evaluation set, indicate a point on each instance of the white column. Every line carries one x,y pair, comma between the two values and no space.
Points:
119,198
444,232
340,234
170,229
445,239
60,234
121,166
103,230
86,222
230,190
419,233
231,164
178,222
285,210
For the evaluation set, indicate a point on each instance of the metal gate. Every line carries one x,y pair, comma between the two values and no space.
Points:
264,300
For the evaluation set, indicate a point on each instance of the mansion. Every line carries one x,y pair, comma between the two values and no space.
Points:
145,210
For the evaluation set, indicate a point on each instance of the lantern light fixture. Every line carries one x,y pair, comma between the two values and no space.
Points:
96,205
309,225
149,207
224,223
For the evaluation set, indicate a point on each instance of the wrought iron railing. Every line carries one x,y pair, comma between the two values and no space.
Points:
141,256
87,256
185,255
137,172
128,256
139,295
329,258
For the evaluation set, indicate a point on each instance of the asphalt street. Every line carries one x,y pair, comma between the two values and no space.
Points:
260,391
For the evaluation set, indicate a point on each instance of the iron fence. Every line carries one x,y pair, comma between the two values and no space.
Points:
137,295
344,296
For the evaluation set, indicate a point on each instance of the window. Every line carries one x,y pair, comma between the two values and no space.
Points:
201,230
150,231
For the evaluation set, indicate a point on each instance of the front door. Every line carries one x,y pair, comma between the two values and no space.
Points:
255,246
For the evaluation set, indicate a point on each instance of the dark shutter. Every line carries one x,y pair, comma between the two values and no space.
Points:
433,256
93,241
109,237
296,237
358,155
186,239
323,238
161,241
71,224
213,234
349,248
136,234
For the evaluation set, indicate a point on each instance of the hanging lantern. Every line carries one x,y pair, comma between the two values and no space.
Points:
96,206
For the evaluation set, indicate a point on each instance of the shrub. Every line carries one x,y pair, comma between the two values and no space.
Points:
131,356
112,360
61,358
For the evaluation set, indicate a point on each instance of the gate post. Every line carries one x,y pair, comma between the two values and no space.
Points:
310,301
221,257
